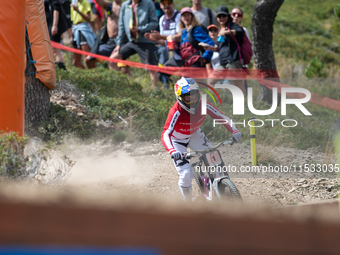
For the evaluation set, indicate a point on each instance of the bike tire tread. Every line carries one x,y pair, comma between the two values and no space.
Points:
233,190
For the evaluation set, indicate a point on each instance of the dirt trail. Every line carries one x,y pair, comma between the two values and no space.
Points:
146,169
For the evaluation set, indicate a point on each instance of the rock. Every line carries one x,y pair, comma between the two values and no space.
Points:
292,190
305,186
302,181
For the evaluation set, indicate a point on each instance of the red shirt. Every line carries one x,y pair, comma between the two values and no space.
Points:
182,125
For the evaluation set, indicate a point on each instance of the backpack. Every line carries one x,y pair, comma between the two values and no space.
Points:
244,48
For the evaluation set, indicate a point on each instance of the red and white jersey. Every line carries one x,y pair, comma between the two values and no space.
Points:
181,125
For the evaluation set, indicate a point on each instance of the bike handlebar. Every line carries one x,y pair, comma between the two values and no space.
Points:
189,155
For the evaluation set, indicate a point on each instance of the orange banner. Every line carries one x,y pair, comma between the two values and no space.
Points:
12,67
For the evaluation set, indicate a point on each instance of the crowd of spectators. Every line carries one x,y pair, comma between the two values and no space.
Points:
195,36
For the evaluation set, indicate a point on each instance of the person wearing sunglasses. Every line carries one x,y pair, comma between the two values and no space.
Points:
227,47
213,33
237,15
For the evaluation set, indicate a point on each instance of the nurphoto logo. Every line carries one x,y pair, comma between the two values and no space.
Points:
238,100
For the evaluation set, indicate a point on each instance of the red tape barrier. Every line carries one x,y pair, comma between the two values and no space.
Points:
202,73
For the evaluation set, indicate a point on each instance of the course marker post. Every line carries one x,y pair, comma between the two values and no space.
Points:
252,141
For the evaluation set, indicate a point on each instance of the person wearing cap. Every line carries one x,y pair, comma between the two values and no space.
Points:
227,47
191,54
213,33
204,15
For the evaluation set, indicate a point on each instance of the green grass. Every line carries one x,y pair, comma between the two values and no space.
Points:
112,96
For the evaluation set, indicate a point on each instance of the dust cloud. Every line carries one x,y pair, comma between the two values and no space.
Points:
118,168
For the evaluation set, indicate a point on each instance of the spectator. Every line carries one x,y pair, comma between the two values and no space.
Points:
204,15
159,11
97,14
213,33
65,4
169,25
57,25
106,39
190,35
237,15
144,12
215,59
227,47
192,54
83,36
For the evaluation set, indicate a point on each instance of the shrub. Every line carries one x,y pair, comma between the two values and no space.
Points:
12,159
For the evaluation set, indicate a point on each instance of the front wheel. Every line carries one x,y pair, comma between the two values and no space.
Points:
228,190
198,180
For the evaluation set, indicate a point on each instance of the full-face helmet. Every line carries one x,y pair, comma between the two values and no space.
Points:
187,94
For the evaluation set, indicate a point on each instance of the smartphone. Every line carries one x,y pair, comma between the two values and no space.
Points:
75,2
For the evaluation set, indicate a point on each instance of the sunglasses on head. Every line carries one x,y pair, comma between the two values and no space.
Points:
221,16
166,2
236,14
213,30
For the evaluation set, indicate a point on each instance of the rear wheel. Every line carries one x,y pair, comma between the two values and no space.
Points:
228,190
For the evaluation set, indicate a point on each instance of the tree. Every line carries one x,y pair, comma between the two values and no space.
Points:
262,29
37,96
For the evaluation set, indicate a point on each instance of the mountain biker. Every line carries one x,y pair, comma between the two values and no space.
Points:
182,130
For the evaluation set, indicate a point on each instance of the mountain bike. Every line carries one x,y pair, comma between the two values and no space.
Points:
211,175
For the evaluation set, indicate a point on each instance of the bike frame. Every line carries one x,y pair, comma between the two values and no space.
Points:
209,158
